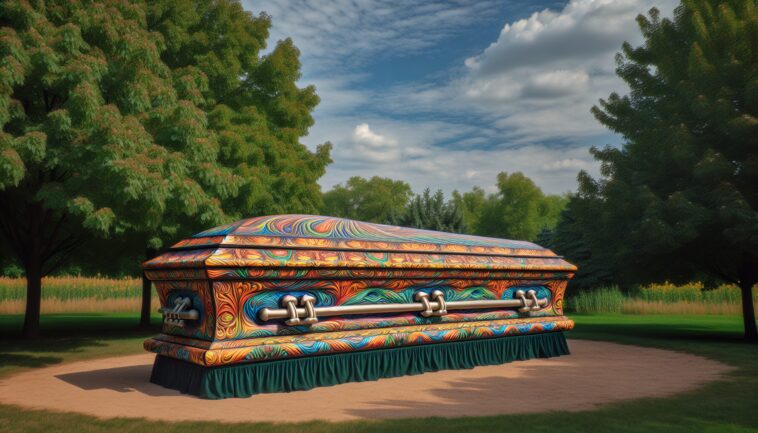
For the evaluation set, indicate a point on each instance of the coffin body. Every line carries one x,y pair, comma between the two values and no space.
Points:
295,286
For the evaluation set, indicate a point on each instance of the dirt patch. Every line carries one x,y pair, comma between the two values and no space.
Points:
595,373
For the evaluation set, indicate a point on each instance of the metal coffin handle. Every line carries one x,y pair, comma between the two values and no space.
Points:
525,302
180,312
423,297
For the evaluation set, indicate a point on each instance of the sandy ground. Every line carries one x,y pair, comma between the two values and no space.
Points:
595,373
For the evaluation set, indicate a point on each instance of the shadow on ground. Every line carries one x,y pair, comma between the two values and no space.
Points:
120,379
65,334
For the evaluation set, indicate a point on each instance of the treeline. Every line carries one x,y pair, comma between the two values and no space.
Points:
517,210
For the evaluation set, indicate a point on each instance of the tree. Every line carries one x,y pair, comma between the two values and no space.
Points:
680,195
431,212
471,204
519,210
252,101
99,136
569,239
254,109
377,200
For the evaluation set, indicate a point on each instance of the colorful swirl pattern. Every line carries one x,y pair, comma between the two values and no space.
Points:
231,272
327,343
351,244
325,242
280,273
200,294
267,258
322,227
238,304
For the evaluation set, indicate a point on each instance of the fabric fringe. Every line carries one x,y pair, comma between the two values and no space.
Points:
244,380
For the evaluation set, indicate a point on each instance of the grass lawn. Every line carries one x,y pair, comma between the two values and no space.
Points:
721,407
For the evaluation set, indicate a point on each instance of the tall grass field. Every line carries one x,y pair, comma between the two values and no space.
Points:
666,298
75,294
96,294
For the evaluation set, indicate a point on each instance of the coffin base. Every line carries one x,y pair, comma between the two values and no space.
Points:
244,380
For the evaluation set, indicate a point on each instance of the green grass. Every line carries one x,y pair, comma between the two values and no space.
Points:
721,407
70,337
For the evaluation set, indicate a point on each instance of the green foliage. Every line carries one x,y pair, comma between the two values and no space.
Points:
600,300
95,136
665,298
13,271
682,192
378,199
432,212
147,121
253,104
680,196
471,204
519,210
569,239
694,292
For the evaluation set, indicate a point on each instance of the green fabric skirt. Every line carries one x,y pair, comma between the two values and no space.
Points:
244,380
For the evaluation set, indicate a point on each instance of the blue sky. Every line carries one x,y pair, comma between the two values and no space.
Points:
446,95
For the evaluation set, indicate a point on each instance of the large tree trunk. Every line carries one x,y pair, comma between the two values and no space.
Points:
33,298
147,293
748,311
33,262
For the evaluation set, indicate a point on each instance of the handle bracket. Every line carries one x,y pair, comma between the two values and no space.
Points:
308,313
181,312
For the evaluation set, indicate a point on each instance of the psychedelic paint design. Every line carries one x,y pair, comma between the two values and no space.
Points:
333,343
238,304
218,287
300,258
355,234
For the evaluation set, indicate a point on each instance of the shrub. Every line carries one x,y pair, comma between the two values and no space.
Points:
601,300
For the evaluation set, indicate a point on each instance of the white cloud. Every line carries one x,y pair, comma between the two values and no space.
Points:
412,154
365,136
571,164
536,83
583,29
538,80
519,104
373,147
560,82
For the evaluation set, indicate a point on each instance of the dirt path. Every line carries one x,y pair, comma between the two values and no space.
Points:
595,373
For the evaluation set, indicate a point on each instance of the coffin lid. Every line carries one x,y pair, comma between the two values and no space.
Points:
311,241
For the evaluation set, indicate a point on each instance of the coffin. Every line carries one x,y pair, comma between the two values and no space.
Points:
287,302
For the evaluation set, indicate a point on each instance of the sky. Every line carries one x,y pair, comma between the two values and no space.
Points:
446,95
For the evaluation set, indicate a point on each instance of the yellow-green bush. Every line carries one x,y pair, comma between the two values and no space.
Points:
664,298
691,292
